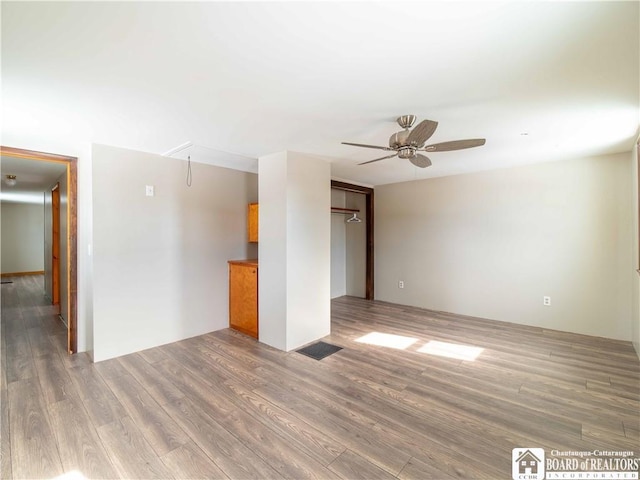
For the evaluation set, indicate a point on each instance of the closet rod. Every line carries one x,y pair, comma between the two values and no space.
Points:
345,209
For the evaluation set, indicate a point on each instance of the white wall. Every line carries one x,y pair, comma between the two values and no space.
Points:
492,244
160,270
22,237
294,249
635,276
338,246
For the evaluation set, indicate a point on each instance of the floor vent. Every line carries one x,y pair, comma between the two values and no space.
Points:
319,350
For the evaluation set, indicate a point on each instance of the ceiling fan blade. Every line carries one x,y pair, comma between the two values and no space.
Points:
455,145
378,159
366,146
420,160
422,133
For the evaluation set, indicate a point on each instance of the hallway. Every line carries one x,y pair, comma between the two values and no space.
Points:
34,369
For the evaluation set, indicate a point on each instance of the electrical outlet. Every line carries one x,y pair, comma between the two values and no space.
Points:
149,190
400,284
546,301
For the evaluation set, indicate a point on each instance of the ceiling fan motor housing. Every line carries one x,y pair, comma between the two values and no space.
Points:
399,139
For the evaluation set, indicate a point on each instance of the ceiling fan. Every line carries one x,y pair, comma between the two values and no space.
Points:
407,143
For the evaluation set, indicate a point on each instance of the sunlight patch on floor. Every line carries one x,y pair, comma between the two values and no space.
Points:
387,340
72,475
451,350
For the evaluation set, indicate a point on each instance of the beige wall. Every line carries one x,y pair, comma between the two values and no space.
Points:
160,270
22,237
492,244
636,261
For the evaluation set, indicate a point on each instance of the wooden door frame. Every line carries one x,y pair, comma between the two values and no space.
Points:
55,244
71,164
368,192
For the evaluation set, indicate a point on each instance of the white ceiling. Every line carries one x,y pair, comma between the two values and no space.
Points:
540,81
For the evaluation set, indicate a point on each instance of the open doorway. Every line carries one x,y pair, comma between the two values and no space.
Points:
352,240
66,192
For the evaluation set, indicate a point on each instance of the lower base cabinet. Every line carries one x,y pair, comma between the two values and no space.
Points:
243,296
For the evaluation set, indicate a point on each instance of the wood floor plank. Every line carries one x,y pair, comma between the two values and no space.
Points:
39,341
160,431
34,451
103,407
5,436
80,447
18,344
110,369
352,466
161,389
288,460
632,429
189,461
153,355
425,449
354,436
129,452
20,368
310,440
3,361
54,379
229,453
418,470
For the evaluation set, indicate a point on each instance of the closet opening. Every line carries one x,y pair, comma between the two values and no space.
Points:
351,240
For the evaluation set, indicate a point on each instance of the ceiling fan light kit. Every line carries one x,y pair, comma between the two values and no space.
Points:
10,180
407,143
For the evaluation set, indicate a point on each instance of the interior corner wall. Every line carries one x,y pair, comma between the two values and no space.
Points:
160,271
492,244
308,249
272,250
635,275
338,246
22,237
294,249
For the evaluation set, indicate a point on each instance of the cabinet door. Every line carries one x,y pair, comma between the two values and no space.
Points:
243,299
252,223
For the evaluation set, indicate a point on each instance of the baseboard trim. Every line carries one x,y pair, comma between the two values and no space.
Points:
21,274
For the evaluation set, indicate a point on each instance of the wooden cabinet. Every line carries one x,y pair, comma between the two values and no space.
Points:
243,296
252,223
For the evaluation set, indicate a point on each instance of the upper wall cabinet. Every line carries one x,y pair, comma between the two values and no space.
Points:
252,223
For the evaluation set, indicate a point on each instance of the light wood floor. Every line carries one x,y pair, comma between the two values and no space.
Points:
223,406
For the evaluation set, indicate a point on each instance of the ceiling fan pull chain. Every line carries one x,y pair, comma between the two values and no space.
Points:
189,177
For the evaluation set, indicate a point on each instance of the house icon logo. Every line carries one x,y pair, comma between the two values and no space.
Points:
527,463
